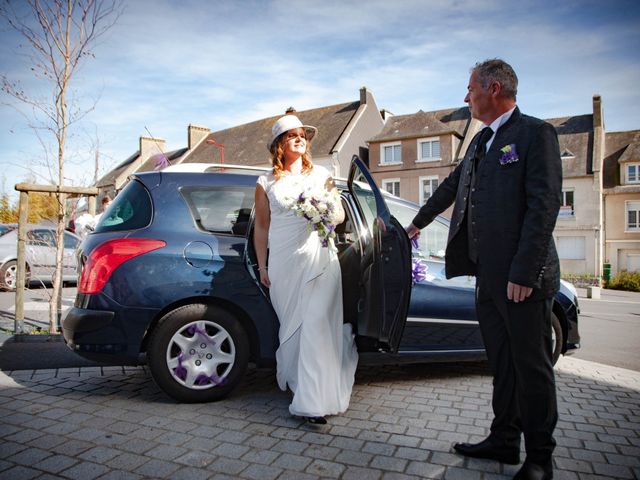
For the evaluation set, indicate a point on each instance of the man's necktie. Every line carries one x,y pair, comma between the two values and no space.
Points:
485,135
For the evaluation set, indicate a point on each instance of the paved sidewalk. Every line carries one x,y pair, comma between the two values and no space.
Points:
113,422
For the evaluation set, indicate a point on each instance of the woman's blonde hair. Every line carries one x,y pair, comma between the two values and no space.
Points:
277,156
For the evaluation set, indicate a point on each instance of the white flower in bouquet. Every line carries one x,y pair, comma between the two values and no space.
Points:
319,206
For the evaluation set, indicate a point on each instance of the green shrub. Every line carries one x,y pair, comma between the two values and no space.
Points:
625,280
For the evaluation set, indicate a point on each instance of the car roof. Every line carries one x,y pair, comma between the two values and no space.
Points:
214,168
224,169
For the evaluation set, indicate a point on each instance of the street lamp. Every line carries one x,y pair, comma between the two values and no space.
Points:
219,146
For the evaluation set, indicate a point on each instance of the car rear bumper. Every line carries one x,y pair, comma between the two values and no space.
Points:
97,335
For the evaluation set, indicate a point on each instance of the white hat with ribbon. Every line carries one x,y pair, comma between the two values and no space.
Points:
289,122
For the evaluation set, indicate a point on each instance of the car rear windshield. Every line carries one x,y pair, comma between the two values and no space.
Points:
220,209
130,210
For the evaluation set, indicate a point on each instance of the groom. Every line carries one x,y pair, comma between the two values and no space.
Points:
507,193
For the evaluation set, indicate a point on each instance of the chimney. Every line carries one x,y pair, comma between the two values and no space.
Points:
598,117
363,96
150,146
195,134
385,114
598,134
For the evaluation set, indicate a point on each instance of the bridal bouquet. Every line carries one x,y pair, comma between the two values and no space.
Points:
319,207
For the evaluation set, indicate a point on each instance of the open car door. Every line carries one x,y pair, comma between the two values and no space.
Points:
385,273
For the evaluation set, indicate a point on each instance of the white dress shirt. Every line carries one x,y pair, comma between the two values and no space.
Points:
496,124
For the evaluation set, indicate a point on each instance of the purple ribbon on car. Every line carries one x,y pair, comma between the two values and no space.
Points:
418,267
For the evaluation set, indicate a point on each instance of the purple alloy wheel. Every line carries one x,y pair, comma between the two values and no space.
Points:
200,355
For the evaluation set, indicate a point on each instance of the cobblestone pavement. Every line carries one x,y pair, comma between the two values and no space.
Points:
113,423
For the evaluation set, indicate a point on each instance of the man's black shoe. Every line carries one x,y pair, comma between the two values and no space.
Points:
533,471
488,448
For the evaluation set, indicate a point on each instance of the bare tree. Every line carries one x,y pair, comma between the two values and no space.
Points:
59,35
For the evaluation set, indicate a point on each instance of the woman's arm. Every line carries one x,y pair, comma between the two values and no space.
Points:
261,233
330,185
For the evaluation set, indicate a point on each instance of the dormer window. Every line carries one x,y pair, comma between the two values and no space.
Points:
567,154
633,172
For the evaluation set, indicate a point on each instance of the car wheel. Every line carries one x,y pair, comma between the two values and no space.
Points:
198,353
9,276
557,338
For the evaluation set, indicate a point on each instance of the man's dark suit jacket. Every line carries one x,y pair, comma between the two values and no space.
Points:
515,210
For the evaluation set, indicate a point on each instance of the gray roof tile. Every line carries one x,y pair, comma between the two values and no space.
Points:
620,147
575,134
422,124
110,177
247,144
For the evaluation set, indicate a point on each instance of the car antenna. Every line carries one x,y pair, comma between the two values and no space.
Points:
160,160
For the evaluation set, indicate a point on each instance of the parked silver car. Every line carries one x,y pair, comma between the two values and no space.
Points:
40,256
7,227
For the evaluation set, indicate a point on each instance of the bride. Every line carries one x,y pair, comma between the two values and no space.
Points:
317,357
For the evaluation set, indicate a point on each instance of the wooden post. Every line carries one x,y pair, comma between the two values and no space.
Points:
55,327
92,205
23,208
21,273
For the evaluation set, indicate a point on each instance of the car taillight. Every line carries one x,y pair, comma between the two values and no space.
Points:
109,256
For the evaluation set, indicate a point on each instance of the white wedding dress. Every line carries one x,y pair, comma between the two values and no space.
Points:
317,357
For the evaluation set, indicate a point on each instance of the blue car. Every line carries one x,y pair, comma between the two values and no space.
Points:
169,277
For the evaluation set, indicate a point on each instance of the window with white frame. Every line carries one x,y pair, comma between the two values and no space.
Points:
633,262
566,209
571,248
429,150
391,185
390,153
633,173
427,186
632,209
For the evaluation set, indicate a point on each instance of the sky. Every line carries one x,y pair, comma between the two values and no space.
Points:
166,64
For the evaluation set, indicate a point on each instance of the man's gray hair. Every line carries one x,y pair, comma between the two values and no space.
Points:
497,70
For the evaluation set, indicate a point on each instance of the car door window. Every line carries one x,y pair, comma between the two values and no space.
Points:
433,238
220,209
432,244
41,238
366,201
385,265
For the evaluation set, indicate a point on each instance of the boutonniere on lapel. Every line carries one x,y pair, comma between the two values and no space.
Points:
509,154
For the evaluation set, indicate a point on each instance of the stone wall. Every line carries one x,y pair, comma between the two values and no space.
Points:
583,281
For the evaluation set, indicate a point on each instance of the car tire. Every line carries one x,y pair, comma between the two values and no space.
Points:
9,276
557,338
198,353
